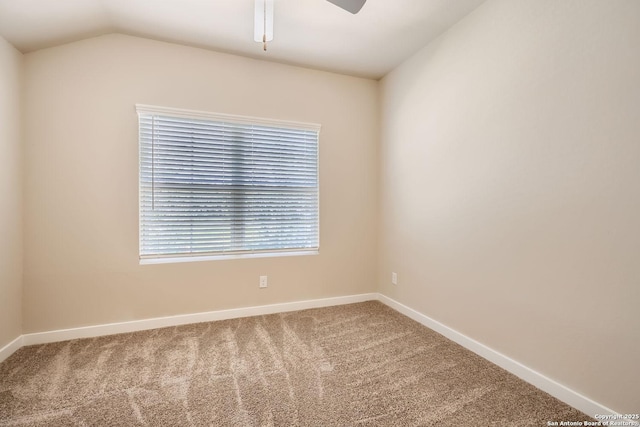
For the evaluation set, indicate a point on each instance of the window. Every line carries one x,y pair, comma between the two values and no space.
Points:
214,185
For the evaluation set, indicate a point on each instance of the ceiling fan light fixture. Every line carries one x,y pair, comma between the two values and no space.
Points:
263,21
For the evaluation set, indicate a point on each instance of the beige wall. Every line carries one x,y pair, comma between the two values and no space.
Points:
510,188
11,63
507,174
81,149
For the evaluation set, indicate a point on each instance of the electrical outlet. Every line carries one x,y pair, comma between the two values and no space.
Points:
394,278
263,281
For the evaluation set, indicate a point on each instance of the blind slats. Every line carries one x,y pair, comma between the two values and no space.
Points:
219,186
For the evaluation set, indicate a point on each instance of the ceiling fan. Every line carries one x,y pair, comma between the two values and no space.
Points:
352,6
263,25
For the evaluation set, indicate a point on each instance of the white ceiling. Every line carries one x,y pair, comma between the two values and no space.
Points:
310,33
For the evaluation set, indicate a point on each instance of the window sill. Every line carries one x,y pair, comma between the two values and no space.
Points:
171,260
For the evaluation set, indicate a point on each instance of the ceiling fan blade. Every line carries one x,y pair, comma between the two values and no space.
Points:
352,6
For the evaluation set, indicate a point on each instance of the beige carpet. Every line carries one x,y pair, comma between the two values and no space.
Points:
355,365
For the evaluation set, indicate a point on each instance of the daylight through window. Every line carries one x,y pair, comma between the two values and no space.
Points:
214,184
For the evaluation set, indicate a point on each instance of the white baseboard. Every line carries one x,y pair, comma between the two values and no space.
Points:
557,390
535,378
184,319
11,348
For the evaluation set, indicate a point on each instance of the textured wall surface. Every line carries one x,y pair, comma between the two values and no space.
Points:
510,188
507,177
11,63
81,148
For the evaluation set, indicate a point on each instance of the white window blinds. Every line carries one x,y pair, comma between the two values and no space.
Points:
214,184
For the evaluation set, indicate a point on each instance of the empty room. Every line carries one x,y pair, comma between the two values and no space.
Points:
319,213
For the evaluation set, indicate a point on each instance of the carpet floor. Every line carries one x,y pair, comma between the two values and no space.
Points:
353,365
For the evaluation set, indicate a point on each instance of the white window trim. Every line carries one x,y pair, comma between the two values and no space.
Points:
240,119
196,258
232,118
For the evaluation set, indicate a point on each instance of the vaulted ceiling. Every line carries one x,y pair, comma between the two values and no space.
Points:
309,33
